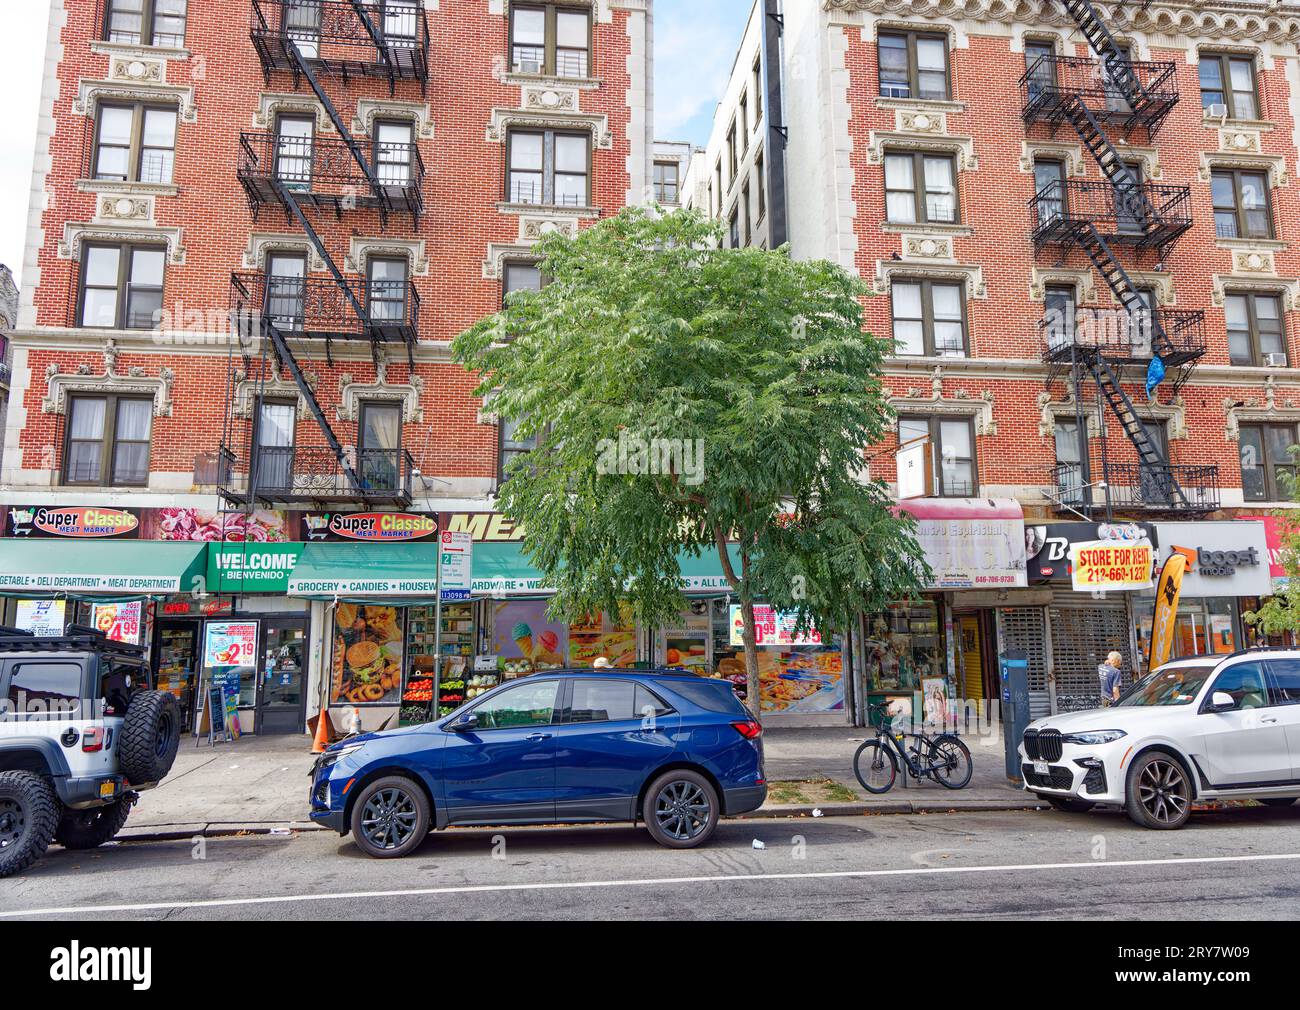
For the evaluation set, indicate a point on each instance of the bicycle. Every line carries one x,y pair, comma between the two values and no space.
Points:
943,759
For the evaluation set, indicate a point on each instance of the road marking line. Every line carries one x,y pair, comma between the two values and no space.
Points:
646,882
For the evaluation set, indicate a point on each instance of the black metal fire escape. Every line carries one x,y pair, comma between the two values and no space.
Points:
1098,218
338,37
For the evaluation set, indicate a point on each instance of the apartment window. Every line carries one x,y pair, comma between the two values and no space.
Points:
757,76
121,286
1129,212
513,445
745,213
295,139
401,23
1040,67
519,276
386,286
1060,313
666,182
286,290
135,143
1229,80
717,174
1241,204
394,153
548,167
733,228
379,444
1069,462
273,444
731,151
914,65
1255,332
920,188
743,120
761,175
1268,467
1049,191
550,39
146,22
929,318
108,440
953,441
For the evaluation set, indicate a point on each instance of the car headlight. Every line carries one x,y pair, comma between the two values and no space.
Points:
331,758
1094,737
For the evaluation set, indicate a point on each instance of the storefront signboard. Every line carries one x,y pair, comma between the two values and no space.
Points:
456,565
230,644
120,622
971,544
1228,558
1048,546
251,567
43,618
771,627
71,522
483,527
368,527
1111,566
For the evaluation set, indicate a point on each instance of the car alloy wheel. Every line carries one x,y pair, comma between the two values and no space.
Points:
389,818
1163,791
682,810
12,823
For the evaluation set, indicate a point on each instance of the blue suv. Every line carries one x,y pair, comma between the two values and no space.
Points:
672,750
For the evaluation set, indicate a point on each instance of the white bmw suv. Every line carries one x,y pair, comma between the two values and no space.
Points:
1197,729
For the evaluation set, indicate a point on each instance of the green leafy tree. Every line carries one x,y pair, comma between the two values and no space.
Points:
691,399
1280,613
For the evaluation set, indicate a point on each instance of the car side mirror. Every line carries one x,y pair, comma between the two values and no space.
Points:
1222,701
465,723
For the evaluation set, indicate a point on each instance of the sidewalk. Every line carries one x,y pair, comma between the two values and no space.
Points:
259,784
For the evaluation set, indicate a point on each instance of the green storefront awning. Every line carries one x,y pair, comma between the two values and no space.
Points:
503,569
124,567
251,567
366,570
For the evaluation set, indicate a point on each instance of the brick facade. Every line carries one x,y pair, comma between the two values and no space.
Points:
454,254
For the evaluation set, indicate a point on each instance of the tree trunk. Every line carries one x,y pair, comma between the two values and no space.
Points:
751,657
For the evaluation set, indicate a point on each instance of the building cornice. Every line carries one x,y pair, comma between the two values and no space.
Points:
1219,19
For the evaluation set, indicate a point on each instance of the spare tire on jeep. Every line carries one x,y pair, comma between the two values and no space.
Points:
150,737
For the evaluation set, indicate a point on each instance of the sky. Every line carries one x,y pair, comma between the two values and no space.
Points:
695,43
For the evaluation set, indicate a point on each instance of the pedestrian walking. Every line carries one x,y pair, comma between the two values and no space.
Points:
1111,679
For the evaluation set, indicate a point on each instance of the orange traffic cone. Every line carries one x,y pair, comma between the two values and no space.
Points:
324,732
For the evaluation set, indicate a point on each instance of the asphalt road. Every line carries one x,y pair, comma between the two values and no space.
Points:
1237,864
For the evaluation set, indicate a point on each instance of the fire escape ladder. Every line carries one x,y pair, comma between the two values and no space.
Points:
378,39
285,355
1129,194
1118,68
305,69
1159,486
1119,282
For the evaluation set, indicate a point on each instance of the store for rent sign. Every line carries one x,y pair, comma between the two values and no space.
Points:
1112,565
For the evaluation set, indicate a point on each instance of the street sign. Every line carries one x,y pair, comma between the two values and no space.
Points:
456,565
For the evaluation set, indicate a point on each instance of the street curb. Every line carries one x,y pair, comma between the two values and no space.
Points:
216,829
868,809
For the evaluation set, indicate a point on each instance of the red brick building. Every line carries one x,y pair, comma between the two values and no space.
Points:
362,180
1043,197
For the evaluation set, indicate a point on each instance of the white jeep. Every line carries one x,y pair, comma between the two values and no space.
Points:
81,735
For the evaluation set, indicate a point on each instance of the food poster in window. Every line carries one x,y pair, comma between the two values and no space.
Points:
686,644
524,640
613,637
801,679
366,661
120,622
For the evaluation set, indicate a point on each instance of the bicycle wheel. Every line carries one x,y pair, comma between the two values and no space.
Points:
875,767
950,762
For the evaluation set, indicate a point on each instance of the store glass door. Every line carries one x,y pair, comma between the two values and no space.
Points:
282,676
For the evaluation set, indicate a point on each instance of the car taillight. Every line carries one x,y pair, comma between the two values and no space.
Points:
92,740
750,729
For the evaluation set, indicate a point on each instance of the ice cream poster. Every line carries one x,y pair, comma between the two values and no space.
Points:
522,631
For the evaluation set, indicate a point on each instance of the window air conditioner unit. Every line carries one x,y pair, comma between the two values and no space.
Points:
1217,111
1275,359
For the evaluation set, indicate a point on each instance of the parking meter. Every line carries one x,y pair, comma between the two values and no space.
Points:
1013,668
